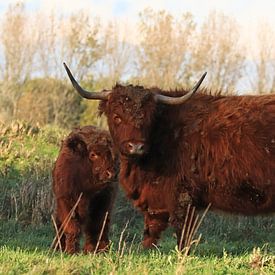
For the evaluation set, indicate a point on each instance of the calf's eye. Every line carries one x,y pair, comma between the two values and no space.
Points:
93,155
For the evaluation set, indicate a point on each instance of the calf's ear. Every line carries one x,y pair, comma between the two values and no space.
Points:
77,144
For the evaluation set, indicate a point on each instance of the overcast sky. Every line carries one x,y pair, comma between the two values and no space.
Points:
248,13
245,11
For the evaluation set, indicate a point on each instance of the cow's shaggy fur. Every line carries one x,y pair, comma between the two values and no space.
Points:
212,149
85,165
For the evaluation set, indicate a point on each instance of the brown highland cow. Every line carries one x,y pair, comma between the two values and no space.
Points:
179,148
85,169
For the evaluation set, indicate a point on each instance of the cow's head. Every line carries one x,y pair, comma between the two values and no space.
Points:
98,153
130,111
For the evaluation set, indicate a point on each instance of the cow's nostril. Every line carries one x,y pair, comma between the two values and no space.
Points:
109,174
130,146
140,147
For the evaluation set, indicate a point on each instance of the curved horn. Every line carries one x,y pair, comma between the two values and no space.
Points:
179,100
84,93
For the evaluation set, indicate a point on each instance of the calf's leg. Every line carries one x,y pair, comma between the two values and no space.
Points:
70,226
97,224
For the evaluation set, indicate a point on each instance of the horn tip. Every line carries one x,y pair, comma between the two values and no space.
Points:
204,75
202,78
65,65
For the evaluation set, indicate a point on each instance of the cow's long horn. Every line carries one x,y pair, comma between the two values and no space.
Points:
179,100
86,94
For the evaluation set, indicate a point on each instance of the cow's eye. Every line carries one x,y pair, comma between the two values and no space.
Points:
116,119
93,155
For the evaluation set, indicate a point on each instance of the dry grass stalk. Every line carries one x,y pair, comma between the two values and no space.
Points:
101,232
190,223
121,248
132,243
190,230
259,259
57,233
184,226
61,230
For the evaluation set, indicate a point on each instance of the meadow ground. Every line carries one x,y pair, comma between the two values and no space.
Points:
229,244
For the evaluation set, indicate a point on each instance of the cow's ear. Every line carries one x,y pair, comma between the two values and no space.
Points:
77,144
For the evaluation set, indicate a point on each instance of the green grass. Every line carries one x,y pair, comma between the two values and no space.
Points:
229,244
25,250
27,155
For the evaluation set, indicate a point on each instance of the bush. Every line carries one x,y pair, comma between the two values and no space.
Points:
26,159
49,101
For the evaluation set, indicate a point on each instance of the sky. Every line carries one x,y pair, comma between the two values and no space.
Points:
247,12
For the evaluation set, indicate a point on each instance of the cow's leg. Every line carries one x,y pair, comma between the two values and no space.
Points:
154,224
70,225
98,222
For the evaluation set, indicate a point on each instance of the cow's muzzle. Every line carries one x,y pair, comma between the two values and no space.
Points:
135,148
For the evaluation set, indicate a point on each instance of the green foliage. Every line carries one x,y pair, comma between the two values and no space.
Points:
90,115
49,100
26,159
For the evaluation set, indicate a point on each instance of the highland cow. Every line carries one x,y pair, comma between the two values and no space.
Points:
85,169
179,148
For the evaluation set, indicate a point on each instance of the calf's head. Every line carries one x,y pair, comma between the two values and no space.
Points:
97,153
130,112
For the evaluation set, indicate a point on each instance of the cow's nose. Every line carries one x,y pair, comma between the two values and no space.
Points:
136,148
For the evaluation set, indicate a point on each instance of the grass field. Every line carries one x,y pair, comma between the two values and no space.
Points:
229,244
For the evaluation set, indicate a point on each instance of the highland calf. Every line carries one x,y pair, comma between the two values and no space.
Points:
179,148
85,169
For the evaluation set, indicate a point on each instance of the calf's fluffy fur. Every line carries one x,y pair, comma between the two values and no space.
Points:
85,165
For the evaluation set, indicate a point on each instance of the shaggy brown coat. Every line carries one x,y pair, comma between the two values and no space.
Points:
212,149
86,165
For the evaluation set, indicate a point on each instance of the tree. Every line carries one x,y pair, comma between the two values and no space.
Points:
263,80
18,54
47,105
116,52
80,43
48,44
18,44
217,50
164,50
